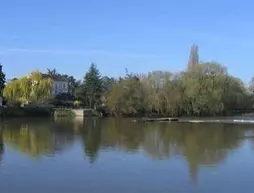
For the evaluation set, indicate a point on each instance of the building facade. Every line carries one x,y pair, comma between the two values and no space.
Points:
59,87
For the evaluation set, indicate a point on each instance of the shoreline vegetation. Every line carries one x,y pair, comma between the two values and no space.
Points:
204,89
27,112
45,112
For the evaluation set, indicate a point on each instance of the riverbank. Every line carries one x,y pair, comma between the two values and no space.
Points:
25,112
50,111
247,112
46,112
65,112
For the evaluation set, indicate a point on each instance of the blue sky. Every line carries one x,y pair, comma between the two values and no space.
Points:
141,35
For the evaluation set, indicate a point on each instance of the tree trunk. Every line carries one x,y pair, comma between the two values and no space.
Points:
90,101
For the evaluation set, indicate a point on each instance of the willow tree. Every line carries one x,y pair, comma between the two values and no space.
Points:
24,89
32,88
40,87
12,90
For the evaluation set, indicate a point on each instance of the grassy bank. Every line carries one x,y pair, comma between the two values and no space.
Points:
64,113
45,112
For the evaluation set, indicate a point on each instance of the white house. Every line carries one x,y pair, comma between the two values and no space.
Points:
59,87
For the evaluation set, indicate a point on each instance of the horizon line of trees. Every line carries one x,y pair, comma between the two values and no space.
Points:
205,88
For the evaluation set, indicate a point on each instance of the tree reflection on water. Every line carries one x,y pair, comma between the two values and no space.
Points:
37,138
198,144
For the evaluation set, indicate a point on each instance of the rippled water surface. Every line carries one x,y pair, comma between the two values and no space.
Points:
118,156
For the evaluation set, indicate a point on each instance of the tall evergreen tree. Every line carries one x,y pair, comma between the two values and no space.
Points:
2,80
194,57
93,86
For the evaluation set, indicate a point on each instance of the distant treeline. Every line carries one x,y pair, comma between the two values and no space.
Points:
204,89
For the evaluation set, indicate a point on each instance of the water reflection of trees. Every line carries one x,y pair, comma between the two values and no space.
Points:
37,138
198,144
202,143
91,136
194,141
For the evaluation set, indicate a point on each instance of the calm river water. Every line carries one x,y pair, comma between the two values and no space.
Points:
118,156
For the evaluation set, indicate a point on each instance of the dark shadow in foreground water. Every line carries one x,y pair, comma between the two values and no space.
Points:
198,144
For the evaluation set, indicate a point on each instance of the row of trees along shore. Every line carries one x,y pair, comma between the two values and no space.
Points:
204,89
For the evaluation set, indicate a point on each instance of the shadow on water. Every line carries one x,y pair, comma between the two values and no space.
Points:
198,144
